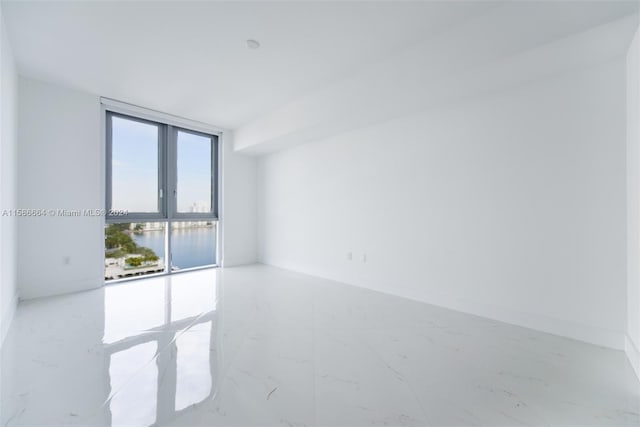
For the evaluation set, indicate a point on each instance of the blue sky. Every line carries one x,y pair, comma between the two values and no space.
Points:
135,167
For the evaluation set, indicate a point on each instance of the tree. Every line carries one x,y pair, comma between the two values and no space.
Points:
117,239
135,261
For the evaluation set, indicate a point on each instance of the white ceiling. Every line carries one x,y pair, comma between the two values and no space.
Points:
190,58
508,45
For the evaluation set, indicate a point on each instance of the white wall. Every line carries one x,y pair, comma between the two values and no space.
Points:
238,206
632,343
60,166
8,142
509,205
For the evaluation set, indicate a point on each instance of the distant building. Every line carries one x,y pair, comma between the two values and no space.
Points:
199,207
196,207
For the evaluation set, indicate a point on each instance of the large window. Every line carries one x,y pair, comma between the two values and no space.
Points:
162,198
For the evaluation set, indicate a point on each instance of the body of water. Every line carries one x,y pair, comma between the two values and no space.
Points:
192,247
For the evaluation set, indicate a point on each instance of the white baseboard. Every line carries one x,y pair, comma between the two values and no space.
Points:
633,354
586,333
8,313
564,328
29,291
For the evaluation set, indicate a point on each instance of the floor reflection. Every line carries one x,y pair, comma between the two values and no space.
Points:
135,393
192,385
160,346
262,346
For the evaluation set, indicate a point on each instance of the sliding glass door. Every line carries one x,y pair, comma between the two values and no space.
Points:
162,198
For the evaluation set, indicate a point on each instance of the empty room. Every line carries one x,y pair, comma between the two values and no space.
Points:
320,213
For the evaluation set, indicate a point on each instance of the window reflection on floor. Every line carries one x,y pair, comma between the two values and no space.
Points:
133,307
133,400
189,298
142,320
191,385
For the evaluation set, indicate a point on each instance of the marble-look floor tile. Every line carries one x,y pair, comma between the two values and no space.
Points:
355,386
260,346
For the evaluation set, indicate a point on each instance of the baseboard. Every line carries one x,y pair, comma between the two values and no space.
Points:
245,264
633,354
7,317
592,335
589,334
60,288
239,263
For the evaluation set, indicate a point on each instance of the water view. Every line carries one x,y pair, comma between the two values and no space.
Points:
192,247
135,249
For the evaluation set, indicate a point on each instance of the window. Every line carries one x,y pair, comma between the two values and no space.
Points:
161,199
136,178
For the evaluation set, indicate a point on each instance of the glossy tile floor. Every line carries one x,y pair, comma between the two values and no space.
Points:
262,346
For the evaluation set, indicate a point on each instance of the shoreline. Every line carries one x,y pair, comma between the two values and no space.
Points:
191,227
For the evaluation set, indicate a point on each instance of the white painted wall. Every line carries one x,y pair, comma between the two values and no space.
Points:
632,342
508,205
238,206
61,165
8,147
